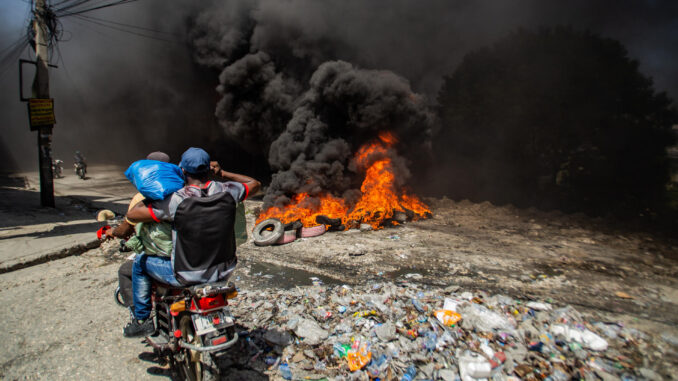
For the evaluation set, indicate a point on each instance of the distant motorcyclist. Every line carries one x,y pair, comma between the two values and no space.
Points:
80,165
57,168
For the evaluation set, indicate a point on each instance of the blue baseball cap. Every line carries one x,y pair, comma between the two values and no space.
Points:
195,161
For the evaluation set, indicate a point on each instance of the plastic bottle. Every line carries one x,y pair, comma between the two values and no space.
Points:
285,371
430,342
377,366
418,305
559,375
409,373
341,350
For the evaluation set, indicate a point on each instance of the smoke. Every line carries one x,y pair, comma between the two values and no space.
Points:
256,102
344,108
119,96
306,83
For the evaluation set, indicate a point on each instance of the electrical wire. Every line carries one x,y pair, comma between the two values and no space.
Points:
14,44
72,5
77,12
126,31
11,57
128,25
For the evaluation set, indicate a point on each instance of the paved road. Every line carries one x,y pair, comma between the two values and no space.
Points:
30,234
60,323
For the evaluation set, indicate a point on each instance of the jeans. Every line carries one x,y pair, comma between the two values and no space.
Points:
146,267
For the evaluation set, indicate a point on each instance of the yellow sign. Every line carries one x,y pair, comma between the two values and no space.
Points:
41,112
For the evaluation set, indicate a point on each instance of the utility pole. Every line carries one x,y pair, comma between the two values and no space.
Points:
41,91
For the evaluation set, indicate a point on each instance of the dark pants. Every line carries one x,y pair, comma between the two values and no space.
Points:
125,283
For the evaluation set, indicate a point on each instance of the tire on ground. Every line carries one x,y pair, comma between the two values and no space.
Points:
313,231
287,237
264,237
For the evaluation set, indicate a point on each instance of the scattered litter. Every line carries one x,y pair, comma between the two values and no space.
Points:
623,295
408,331
539,306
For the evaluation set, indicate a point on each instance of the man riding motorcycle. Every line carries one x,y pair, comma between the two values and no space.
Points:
203,250
80,165
127,229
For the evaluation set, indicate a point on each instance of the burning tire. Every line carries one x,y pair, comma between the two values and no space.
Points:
268,232
313,231
287,237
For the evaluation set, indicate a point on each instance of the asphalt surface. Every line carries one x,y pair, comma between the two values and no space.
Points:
30,234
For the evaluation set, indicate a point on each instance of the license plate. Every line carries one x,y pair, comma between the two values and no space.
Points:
211,322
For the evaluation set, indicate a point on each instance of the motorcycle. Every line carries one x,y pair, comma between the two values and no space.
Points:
58,168
193,324
80,170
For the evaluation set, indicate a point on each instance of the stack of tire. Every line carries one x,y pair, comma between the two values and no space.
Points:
273,232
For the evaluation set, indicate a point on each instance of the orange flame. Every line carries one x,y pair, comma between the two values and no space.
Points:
379,201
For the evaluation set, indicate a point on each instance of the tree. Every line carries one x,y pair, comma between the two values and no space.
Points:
555,118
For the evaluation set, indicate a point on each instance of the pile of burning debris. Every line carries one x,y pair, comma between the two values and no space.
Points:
394,331
381,203
272,231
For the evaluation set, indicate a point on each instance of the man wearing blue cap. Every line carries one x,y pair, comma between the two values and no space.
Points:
203,236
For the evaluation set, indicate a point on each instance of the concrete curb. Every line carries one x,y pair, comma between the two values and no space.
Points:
43,258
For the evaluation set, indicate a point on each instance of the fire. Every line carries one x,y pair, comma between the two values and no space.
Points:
379,200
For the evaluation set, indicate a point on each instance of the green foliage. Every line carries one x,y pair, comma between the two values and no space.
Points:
555,118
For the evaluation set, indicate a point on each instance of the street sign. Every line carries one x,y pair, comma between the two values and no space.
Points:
41,112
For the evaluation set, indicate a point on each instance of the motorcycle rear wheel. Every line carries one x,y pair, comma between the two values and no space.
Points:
195,366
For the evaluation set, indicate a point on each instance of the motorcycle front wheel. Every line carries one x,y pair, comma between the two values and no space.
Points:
196,366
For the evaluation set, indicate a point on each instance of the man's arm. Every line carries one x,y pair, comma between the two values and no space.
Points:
252,185
124,231
140,213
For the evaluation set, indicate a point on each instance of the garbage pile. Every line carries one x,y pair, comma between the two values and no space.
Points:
407,331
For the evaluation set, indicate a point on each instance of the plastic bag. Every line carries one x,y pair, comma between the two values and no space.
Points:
583,336
447,317
359,355
155,179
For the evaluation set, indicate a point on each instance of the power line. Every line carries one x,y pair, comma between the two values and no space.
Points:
10,58
77,12
14,44
125,30
72,5
128,25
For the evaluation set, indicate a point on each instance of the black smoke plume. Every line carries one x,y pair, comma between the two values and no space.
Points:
306,83
344,108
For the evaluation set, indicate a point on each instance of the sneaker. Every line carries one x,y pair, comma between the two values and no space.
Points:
139,328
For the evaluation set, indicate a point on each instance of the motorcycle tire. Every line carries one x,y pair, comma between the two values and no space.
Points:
118,297
263,236
195,366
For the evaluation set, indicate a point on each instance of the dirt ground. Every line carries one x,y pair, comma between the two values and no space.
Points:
61,322
571,259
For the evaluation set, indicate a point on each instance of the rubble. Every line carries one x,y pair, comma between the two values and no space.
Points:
392,331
